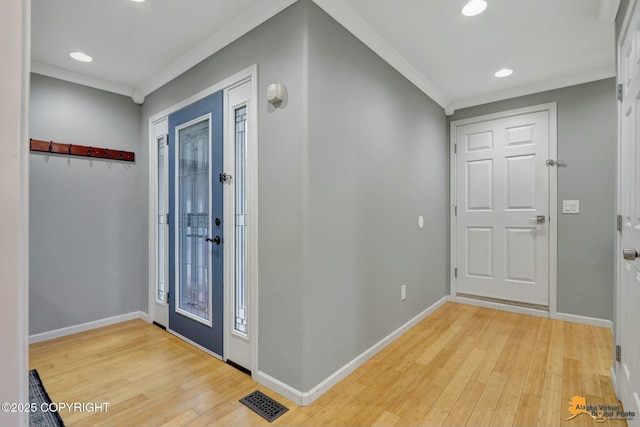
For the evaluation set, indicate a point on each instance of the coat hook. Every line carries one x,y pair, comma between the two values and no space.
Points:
50,145
105,153
69,149
89,152
121,154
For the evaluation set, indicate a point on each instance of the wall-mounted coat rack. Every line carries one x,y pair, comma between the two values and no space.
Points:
81,150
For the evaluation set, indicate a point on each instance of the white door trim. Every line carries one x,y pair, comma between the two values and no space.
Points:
248,74
618,197
553,195
619,269
251,255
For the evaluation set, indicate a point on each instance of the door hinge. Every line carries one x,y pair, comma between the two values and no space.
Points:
167,219
168,297
455,148
455,272
618,353
619,93
619,223
455,210
166,139
225,177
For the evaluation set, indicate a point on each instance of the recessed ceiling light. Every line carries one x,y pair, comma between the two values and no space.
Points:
474,7
138,1
82,57
503,73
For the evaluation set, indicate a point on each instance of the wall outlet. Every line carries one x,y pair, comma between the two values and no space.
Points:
403,292
571,206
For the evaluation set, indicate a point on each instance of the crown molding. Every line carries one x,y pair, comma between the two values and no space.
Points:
342,13
81,79
235,29
542,86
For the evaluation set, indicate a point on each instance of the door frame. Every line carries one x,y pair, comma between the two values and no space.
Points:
617,253
551,108
159,310
233,99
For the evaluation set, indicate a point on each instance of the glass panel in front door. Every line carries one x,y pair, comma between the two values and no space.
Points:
194,284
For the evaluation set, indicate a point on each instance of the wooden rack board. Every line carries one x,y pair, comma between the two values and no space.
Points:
81,150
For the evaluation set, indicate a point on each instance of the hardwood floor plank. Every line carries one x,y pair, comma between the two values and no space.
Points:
488,401
459,380
465,405
180,419
534,381
434,418
387,419
519,367
528,409
462,365
588,359
551,407
497,341
504,418
420,405
415,388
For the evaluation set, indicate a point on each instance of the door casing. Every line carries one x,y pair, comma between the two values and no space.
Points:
553,211
158,311
618,371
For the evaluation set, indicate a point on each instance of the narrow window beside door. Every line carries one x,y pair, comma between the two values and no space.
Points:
161,226
240,285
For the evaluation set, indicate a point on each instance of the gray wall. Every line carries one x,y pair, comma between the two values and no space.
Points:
84,220
377,159
587,133
276,46
342,180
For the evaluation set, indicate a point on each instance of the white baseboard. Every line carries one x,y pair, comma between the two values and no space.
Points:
503,307
145,316
341,373
279,387
57,333
573,318
614,381
307,398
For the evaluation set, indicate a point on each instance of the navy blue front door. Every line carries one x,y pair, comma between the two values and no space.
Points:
195,223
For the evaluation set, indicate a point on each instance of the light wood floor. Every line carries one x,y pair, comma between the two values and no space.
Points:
462,365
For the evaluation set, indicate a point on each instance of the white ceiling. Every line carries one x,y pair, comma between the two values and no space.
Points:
138,47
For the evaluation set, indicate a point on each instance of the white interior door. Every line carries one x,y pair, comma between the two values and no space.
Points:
502,200
627,370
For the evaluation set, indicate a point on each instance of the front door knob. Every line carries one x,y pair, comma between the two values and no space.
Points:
630,254
215,240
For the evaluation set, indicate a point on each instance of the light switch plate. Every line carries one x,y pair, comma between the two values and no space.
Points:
571,206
